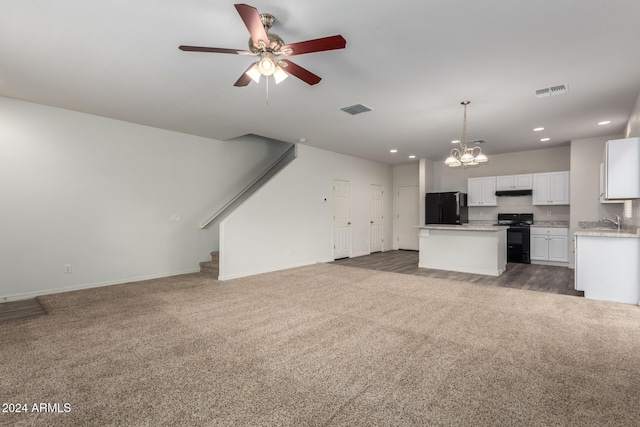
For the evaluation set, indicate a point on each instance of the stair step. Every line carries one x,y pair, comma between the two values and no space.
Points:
211,268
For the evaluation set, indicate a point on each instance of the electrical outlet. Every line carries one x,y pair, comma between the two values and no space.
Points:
548,213
481,213
67,269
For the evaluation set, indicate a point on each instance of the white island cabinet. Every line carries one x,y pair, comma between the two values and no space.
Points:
464,248
607,266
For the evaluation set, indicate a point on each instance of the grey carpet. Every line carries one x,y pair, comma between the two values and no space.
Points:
323,345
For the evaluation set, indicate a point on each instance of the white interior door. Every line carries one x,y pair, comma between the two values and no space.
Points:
341,219
408,217
375,225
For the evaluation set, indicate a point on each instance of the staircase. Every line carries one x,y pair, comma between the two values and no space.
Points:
289,156
211,269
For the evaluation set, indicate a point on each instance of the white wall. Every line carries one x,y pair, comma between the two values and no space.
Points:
534,161
633,130
289,224
98,194
586,156
427,183
543,160
403,175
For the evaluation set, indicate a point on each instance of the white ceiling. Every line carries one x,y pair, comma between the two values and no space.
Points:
412,62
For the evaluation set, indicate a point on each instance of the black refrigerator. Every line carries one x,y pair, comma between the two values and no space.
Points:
446,208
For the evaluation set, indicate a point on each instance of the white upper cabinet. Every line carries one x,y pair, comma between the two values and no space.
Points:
482,191
551,188
514,182
622,169
603,185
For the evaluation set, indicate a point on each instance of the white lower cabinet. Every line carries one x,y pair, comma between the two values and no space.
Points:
607,268
549,244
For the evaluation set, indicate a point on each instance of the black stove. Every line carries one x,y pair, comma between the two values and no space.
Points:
515,219
518,236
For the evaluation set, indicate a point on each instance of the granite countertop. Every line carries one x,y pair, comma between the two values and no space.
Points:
606,229
464,227
608,232
551,224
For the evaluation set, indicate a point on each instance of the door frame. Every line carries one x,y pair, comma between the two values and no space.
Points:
333,223
381,217
397,218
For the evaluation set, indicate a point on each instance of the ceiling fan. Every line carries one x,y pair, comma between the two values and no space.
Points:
269,47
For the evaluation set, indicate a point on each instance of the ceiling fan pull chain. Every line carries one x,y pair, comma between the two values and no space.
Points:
267,79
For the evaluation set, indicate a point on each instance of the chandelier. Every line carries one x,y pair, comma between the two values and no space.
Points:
465,156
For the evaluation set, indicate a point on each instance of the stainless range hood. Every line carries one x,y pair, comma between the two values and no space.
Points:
514,193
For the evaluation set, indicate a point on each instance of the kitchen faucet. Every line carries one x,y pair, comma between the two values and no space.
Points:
617,221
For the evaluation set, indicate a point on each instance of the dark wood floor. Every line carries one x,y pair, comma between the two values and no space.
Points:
541,278
23,309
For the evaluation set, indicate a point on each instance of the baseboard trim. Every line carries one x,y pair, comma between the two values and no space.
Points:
472,270
222,277
551,263
33,294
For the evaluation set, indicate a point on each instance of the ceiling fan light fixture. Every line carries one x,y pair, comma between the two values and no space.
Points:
267,64
254,73
279,74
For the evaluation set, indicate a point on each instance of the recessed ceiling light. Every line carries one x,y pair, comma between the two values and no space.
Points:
455,141
301,140
606,122
393,151
412,156
545,139
538,129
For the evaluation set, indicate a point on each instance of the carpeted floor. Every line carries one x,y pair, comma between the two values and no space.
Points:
322,345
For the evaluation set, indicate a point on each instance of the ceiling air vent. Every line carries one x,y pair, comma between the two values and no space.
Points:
553,90
356,109
558,90
543,93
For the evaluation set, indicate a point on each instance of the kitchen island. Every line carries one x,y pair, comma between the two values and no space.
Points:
480,249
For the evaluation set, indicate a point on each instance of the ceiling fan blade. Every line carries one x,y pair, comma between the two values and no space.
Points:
301,73
316,45
244,78
251,19
214,50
